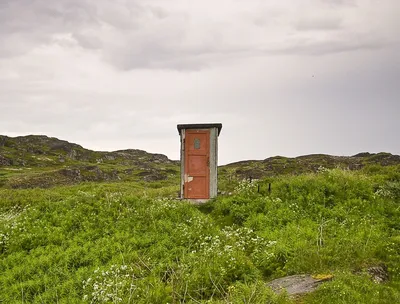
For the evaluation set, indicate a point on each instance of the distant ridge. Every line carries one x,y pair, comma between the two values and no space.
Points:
26,151
278,165
42,161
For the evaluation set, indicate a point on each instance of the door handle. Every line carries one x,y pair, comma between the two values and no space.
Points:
208,161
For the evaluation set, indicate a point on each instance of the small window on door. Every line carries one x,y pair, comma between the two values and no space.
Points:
197,143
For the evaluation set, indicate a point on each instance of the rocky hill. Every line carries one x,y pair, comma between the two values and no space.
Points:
279,165
42,151
41,161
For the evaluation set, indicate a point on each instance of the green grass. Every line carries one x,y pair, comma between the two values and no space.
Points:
132,242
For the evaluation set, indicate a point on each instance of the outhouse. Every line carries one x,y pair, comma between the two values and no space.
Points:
199,160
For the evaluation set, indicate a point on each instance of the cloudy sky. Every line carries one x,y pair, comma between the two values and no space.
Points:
284,77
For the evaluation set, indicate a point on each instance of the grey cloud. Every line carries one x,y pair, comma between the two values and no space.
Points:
319,23
153,55
265,16
26,24
135,35
88,41
339,3
311,47
169,42
130,35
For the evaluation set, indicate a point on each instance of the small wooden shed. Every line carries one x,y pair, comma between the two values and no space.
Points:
199,160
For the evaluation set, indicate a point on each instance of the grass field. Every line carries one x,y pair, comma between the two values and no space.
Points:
130,242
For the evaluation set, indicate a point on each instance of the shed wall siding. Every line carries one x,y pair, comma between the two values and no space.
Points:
213,162
182,193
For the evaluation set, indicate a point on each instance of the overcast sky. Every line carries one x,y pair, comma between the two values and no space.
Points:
284,77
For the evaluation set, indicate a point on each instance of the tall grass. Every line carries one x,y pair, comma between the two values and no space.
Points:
126,243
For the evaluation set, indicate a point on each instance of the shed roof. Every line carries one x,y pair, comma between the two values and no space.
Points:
200,126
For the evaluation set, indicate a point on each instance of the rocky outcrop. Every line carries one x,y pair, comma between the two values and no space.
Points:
5,161
379,274
298,284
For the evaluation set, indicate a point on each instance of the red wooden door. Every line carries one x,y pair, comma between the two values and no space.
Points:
197,162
